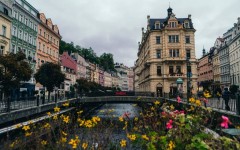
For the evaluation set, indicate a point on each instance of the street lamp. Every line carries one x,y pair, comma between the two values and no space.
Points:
188,79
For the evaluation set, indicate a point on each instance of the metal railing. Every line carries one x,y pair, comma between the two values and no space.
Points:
10,104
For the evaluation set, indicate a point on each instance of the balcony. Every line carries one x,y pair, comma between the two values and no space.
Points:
176,75
175,59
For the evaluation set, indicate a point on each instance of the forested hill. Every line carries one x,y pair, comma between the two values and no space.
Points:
105,61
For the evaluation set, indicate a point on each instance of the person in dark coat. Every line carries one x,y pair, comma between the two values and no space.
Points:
218,94
226,96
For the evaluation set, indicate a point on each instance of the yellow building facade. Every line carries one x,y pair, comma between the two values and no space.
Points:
167,53
5,27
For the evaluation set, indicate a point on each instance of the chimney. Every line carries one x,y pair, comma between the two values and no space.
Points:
189,16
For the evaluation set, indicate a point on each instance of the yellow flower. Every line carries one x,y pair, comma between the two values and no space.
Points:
74,142
132,137
206,94
28,133
79,112
88,123
198,102
47,126
145,137
63,140
96,119
81,122
120,119
64,133
156,102
152,108
66,104
192,100
43,142
84,145
55,117
171,145
18,125
48,113
136,119
101,111
123,143
66,119
56,109
26,128
172,107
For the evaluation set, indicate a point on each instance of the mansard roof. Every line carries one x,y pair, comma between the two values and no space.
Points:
164,21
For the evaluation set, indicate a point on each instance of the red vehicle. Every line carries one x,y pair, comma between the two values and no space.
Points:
120,93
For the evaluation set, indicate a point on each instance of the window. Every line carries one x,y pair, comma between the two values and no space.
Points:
26,21
157,39
189,69
40,31
157,26
30,39
172,24
174,53
170,69
5,11
186,25
4,29
2,50
188,53
178,70
44,34
16,14
39,46
13,50
14,31
187,39
20,17
20,34
158,53
25,36
173,38
43,48
159,71
30,24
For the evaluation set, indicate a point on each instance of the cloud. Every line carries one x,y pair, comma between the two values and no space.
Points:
114,26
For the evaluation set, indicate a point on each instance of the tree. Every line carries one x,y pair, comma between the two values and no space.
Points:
106,61
13,69
50,76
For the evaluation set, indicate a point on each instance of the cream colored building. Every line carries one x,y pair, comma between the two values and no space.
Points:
5,26
162,54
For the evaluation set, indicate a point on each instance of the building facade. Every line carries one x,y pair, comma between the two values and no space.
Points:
166,53
47,41
130,75
69,68
24,30
234,54
5,26
205,73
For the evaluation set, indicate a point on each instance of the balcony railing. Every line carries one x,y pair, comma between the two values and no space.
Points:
176,75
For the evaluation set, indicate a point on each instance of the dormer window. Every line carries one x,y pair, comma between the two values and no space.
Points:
186,24
172,24
157,25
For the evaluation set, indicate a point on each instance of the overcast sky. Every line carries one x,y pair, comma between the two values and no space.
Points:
114,26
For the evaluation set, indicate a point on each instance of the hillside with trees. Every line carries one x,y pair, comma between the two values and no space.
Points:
105,61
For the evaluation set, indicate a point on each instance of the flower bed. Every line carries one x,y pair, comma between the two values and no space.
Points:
159,126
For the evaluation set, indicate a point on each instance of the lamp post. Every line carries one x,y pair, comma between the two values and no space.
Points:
188,79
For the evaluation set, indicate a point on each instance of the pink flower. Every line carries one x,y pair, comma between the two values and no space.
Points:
126,114
178,99
225,122
169,124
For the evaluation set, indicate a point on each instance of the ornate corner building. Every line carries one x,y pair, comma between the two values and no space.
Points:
167,53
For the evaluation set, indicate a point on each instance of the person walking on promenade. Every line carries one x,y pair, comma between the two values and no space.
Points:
218,93
226,96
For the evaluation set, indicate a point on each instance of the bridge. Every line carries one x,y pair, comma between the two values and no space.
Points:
26,109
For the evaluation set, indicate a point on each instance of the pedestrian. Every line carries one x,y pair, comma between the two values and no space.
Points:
218,93
226,96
